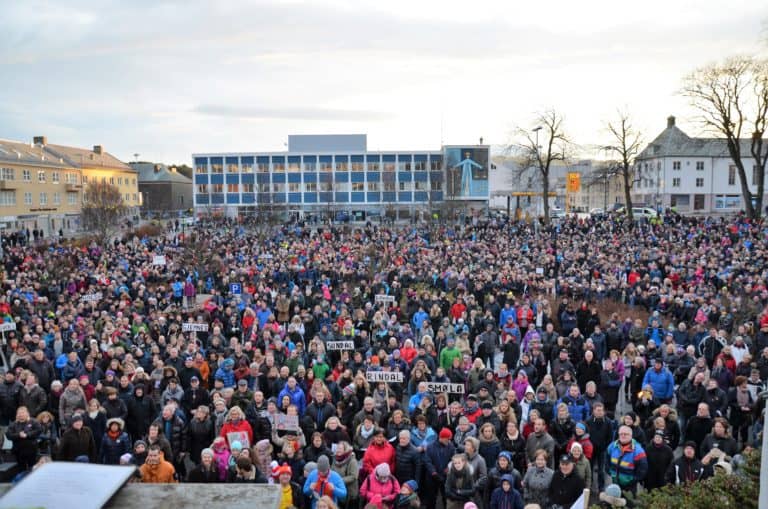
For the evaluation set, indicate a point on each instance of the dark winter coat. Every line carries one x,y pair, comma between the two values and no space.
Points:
200,434
76,443
437,459
141,411
112,449
201,475
177,436
565,489
659,459
9,401
408,463
34,398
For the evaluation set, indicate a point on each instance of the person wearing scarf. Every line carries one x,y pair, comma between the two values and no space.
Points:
345,464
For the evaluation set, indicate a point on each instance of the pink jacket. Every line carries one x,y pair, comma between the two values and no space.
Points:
382,494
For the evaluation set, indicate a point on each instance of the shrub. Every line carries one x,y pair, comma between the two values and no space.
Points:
721,491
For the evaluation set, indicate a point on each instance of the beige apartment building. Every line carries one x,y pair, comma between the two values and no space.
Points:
41,185
38,190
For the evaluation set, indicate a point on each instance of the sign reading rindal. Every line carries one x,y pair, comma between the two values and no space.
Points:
385,298
340,345
7,326
389,377
194,327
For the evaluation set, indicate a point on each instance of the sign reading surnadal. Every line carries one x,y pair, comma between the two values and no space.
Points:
91,297
385,298
384,376
340,345
438,387
194,327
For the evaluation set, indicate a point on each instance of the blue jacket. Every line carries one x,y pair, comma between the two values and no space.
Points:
438,458
423,438
578,408
418,319
511,499
505,313
297,397
226,375
415,400
339,488
663,383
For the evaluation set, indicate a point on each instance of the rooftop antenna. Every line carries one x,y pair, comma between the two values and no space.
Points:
136,157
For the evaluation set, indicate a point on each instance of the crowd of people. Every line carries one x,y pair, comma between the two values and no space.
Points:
229,354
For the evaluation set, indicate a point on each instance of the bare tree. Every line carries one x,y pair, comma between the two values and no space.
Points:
626,142
732,98
103,206
538,148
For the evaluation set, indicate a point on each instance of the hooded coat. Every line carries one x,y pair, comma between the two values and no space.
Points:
381,493
113,448
511,499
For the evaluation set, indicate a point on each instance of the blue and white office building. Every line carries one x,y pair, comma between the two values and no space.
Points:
322,174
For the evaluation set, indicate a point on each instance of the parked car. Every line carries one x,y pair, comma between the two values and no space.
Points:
638,212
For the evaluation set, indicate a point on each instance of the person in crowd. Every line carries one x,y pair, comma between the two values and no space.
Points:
627,461
660,457
156,469
566,486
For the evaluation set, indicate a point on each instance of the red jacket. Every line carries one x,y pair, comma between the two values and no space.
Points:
243,425
586,446
377,454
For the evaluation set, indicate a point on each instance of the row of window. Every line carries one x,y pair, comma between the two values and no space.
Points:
112,180
8,198
8,174
202,166
311,187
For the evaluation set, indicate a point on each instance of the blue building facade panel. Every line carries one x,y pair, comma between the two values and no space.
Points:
339,179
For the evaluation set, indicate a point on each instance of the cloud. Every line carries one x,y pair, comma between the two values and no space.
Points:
289,113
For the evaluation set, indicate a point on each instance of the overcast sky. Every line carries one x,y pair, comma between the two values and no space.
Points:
168,78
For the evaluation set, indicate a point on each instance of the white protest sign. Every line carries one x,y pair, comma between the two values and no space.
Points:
385,298
384,376
285,422
438,387
340,345
540,270
7,326
194,327
91,297
158,260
